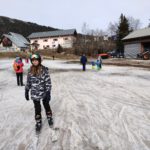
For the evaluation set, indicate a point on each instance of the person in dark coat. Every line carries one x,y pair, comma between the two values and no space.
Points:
39,82
83,61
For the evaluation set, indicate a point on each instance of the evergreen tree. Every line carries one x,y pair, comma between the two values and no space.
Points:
123,30
59,48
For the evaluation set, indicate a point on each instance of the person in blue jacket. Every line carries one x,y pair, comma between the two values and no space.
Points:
99,63
83,61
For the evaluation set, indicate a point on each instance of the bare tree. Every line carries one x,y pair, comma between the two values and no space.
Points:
149,23
112,28
85,28
134,24
92,42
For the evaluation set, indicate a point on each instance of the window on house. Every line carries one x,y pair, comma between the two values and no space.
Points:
47,46
35,41
65,39
6,42
45,40
54,45
55,39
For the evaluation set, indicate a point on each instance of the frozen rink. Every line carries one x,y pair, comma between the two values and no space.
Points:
105,110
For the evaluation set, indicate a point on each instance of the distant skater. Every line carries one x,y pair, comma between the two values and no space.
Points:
83,61
100,61
18,68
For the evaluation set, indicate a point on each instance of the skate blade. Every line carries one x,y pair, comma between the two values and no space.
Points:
38,131
54,134
51,125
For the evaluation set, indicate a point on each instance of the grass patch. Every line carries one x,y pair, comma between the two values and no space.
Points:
13,54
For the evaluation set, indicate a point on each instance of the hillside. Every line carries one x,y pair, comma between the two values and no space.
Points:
19,26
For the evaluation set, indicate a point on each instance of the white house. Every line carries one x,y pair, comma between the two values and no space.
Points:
13,42
52,39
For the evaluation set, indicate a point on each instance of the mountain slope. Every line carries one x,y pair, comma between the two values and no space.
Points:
22,27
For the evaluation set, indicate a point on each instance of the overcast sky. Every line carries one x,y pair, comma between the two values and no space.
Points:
67,14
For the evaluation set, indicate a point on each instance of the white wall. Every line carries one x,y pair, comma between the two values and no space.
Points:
65,42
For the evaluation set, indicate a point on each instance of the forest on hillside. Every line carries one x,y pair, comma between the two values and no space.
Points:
21,27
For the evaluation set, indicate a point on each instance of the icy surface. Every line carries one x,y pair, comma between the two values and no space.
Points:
105,110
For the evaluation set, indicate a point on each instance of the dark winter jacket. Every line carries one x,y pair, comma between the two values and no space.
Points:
39,85
83,59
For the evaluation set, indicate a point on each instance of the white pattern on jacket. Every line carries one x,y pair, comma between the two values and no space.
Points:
39,85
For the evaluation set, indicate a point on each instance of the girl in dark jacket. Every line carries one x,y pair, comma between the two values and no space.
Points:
39,82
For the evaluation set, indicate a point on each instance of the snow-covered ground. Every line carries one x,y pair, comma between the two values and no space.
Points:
105,110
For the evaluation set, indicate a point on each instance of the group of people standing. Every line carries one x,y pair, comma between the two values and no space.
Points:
95,65
38,85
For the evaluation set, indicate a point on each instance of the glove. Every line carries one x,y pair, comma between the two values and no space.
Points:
27,94
48,96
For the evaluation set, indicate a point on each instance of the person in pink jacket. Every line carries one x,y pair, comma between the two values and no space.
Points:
18,68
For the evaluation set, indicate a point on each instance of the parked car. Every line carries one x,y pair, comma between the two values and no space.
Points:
121,55
104,55
112,53
116,54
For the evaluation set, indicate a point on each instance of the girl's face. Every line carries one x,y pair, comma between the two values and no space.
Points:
35,62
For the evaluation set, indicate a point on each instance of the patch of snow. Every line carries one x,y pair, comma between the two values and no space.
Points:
93,110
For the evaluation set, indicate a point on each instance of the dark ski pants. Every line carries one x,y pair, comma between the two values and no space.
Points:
19,79
84,67
37,106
